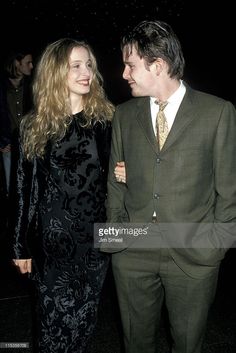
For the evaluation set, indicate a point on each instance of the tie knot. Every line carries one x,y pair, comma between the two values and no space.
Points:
162,105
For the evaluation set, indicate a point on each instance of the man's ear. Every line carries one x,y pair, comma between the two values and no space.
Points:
17,63
159,65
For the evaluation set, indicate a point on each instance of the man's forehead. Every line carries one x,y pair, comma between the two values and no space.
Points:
129,50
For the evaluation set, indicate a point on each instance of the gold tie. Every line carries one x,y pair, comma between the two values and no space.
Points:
161,124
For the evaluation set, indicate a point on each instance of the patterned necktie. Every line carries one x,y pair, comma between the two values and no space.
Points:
161,124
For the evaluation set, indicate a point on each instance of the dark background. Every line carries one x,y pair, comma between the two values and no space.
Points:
206,30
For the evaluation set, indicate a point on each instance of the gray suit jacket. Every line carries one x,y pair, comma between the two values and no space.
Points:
190,183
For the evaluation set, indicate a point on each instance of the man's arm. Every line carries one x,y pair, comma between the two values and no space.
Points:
116,191
225,178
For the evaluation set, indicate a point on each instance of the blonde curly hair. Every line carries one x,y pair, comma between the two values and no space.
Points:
52,111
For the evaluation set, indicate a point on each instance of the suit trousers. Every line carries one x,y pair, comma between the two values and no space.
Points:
145,279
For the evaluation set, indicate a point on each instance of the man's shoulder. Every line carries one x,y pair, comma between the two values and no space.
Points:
131,103
210,104
205,97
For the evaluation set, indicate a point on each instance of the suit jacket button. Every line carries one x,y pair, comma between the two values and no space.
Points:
154,219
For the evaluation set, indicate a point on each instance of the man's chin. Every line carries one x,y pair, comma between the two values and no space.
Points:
139,93
134,93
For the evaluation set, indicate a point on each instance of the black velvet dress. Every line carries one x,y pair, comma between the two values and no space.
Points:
67,197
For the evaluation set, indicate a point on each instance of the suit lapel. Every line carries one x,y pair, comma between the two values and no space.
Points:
185,115
145,121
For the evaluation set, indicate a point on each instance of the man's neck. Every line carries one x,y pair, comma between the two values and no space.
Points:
16,81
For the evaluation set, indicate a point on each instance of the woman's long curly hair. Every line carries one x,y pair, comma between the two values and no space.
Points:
52,111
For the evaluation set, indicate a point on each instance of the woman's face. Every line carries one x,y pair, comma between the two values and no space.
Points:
80,73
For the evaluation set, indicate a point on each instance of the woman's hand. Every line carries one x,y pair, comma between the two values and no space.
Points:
120,172
24,266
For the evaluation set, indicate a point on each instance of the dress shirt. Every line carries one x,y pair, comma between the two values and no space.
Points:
172,107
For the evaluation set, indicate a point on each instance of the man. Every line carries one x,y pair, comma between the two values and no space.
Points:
15,101
180,181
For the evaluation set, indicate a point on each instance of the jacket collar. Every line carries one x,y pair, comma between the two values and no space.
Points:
184,117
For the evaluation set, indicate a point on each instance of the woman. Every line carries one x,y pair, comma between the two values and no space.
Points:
60,190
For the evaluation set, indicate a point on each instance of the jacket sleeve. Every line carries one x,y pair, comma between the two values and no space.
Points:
225,176
116,191
5,125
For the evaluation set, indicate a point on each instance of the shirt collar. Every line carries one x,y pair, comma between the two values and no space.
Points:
176,97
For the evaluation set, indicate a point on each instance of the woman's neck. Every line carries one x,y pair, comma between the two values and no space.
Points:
76,104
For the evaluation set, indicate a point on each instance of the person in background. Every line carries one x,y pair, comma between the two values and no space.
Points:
15,101
61,176
179,149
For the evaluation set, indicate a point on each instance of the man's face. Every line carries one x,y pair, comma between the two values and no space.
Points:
25,65
140,76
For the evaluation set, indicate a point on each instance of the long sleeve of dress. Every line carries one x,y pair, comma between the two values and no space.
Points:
103,140
23,201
